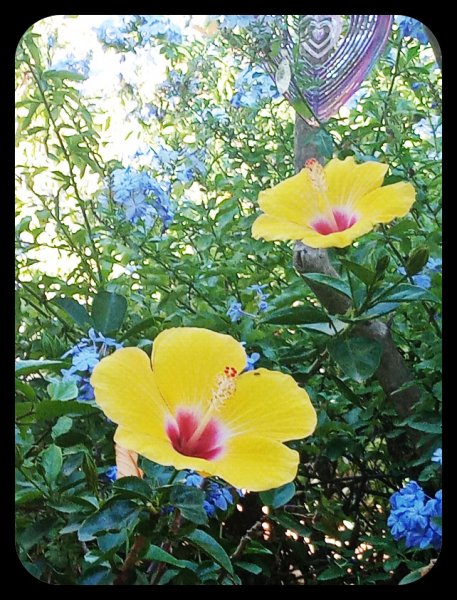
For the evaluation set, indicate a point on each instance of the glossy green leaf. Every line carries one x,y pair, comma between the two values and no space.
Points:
279,496
108,311
358,357
209,545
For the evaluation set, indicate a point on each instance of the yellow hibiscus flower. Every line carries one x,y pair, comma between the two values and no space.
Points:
331,206
193,407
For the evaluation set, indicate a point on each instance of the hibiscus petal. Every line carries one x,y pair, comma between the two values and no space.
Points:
272,228
387,203
294,199
187,361
126,391
348,181
256,463
339,239
269,404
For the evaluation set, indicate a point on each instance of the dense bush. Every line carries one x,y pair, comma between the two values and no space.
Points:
135,201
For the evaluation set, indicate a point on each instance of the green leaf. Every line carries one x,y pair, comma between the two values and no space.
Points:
358,357
249,567
65,389
383,308
209,545
51,459
138,328
331,573
63,425
134,487
405,292
25,367
410,578
365,275
114,517
108,311
190,503
289,522
426,427
63,74
160,555
296,316
50,409
25,496
332,282
279,496
323,142
75,310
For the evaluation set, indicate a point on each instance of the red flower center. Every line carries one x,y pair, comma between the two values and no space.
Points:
207,444
343,220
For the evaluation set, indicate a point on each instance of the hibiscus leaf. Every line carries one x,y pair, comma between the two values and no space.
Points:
296,316
358,357
190,503
209,545
332,282
279,496
160,555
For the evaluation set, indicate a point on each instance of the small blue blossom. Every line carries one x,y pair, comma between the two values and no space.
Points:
262,304
111,473
437,456
416,85
252,359
410,27
85,355
414,518
194,480
210,509
235,311
217,496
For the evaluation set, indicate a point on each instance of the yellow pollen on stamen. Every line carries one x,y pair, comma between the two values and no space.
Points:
317,175
224,389
319,182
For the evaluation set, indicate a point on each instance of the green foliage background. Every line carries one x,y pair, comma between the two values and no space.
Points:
73,526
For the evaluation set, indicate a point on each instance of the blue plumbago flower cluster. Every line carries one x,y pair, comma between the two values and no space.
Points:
184,165
423,280
437,456
235,310
178,84
84,356
142,197
71,63
120,34
416,517
153,26
253,85
217,496
410,27
116,33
